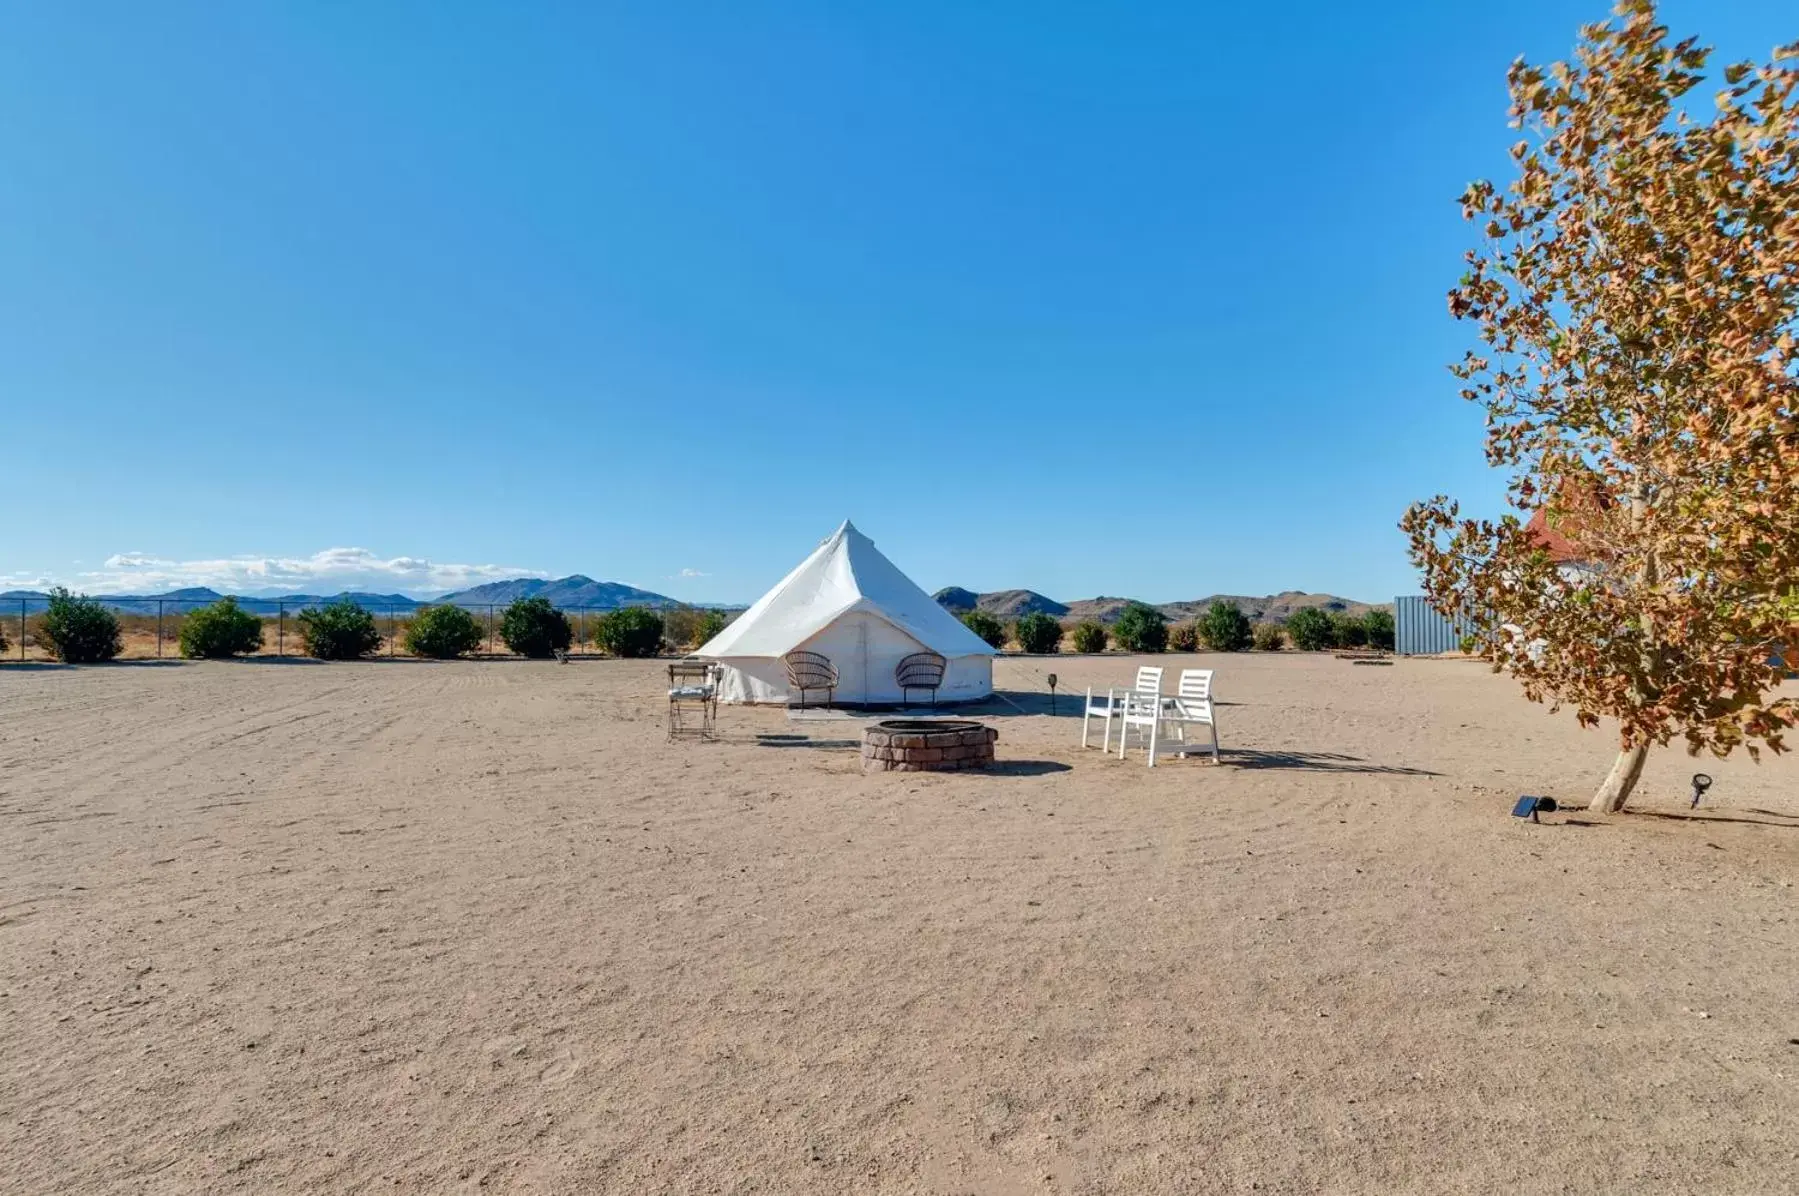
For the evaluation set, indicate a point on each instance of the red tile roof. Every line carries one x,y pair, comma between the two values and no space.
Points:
1560,548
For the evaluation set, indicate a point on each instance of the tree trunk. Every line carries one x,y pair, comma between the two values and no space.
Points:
1629,766
1620,781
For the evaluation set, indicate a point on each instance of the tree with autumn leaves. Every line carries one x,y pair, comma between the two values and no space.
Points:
1636,293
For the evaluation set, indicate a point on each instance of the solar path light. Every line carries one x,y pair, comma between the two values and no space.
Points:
1530,807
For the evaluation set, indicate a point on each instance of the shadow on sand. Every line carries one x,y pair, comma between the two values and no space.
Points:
1024,768
805,741
1318,762
1767,817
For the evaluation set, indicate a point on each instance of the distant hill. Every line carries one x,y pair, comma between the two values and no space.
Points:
1007,604
1010,604
1274,608
565,592
353,595
956,600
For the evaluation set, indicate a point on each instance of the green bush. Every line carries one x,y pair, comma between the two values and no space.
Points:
1225,628
1379,626
1311,630
1089,636
1269,637
4,642
689,626
1183,637
711,623
986,626
681,625
1141,628
532,627
443,633
339,630
630,631
77,629
1348,631
222,629
1037,633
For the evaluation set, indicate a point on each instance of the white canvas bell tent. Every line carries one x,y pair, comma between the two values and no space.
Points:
849,603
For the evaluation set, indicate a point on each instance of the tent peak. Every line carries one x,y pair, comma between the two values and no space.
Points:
845,573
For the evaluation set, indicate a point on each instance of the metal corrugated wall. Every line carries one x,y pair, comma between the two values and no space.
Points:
1420,631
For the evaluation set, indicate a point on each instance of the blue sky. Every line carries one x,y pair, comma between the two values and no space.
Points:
1136,299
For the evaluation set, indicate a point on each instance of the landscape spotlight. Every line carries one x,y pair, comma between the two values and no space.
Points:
1701,783
1052,693
1530,807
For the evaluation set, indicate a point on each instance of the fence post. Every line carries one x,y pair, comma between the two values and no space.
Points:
490,650
390,632
21,631
281,629
159,629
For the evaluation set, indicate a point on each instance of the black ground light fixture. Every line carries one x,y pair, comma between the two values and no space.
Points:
1701,783
1052,700
1530,807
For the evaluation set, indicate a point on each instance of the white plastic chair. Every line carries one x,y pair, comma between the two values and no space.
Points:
1192,706
1105,706
1111,705
1144,711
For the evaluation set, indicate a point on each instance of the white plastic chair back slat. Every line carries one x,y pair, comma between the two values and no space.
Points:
1149,679
1195,686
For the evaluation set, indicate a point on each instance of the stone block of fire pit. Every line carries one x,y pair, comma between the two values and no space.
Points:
927,745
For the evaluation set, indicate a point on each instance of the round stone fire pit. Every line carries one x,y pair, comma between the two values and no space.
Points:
927,745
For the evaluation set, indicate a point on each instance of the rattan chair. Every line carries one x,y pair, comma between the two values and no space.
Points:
921,670
809,671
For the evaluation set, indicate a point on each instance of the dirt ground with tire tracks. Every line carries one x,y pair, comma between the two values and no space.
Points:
415,927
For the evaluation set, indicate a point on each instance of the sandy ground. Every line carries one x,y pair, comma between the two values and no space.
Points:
475,927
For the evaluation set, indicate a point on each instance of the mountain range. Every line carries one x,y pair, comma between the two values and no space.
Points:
578,591
566,593
1010,604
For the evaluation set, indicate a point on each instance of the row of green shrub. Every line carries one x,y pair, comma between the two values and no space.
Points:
1223,628
1315,630
79,630
529,627
82,630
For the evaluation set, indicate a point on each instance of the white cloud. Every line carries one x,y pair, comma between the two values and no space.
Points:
694,573
328,571
24,581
